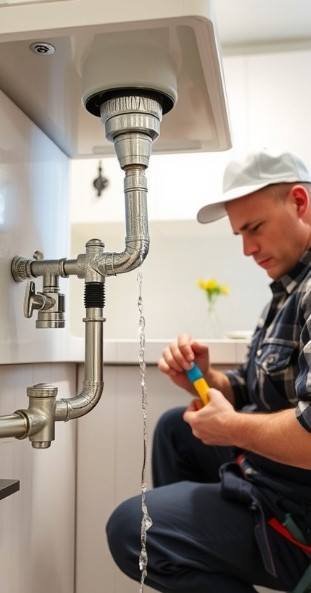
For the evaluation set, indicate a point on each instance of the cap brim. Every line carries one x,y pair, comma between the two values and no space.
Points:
211,212
216,209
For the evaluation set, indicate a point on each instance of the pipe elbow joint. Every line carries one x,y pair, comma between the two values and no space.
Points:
80,405
118,263
136,251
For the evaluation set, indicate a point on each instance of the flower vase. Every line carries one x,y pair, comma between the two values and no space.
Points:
214,328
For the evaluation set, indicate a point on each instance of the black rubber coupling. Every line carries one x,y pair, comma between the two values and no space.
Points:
94,295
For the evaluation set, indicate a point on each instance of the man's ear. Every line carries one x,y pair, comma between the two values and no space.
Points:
300,196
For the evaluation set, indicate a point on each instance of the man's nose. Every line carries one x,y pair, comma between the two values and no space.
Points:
250,245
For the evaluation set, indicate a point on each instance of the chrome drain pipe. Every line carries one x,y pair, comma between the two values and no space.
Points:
38,421
13,425
93,384
132,122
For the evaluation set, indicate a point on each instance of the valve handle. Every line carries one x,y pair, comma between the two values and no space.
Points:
32,300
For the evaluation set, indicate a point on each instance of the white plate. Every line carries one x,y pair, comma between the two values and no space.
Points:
239,335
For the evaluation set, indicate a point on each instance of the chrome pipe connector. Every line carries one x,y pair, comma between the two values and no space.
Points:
137,234
41,414
87,262
23,268
37,422
132,122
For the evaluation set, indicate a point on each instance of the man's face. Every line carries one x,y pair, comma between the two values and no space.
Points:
271,229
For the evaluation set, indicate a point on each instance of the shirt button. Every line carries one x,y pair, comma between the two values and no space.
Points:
271,358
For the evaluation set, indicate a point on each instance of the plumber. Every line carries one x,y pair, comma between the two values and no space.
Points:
231,503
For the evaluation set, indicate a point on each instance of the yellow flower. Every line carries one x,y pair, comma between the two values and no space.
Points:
211,284
212,288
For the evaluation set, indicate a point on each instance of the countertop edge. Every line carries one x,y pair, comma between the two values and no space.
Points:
70,349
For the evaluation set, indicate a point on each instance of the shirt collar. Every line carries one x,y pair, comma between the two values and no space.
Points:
293,278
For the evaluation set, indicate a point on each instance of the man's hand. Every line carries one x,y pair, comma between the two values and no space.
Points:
275,435
178,358
212,423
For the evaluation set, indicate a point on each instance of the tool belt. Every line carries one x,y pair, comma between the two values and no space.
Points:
262,494
289,530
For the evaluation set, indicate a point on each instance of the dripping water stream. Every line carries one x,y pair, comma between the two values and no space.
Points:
146,521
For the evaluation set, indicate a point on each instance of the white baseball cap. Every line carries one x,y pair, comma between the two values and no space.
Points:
257,171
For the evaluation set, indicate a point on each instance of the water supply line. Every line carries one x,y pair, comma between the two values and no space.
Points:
132,121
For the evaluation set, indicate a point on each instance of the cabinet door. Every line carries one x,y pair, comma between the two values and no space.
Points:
110,448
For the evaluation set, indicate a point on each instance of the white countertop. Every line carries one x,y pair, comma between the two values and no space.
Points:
126,351
67,348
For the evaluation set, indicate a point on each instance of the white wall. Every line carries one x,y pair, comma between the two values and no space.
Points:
269,97
33,215
180,253
37,524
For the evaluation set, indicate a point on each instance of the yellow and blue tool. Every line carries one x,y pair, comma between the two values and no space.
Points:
195,375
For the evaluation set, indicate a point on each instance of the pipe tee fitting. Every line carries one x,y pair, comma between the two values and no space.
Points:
41,414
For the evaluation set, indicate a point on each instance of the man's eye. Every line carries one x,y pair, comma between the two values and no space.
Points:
256,227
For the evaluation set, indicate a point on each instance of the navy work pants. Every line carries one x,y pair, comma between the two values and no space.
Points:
199,542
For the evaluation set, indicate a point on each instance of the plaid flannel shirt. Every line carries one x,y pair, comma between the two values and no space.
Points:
277,372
